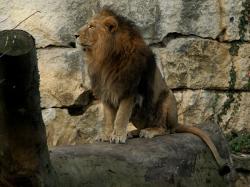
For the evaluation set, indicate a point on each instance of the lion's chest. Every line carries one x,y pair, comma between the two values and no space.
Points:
108,88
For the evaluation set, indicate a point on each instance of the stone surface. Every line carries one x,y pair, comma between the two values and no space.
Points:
202,49
241,161
242,165
187,60
54,25
61,76
195,63
243,180
64,129
59,20
242,67
60,127
198,106
203,64
190,58
194,107
171,160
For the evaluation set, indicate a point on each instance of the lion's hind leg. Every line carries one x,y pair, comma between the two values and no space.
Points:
165,118
152,132
134,133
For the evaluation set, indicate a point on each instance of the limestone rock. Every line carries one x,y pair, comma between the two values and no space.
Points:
204,64
243,180
242,67
241,161
60,127
89,124
195,63
242,165
61,76
59,20
205,18
64,129
54,25
187,53
195,107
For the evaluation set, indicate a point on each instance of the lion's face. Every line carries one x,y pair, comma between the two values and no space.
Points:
97,33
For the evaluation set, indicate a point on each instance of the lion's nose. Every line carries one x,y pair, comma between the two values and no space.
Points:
76,35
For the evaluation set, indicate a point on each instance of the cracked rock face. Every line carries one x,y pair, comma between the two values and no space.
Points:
56,24
64,129
202,49
61,76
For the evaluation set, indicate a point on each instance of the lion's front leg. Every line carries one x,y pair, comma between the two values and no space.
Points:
119,134
108,125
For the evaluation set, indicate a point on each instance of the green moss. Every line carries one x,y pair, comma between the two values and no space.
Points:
235,46
233,50
247,85
230,98
230,94
226,106
243,22
244,19
232,79
239,142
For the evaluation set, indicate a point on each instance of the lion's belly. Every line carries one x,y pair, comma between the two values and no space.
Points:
143,115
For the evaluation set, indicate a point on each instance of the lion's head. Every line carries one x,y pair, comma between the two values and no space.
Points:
107,34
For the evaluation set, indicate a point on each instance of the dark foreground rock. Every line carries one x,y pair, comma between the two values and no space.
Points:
171,160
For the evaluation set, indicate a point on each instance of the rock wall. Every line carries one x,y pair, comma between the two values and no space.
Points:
202,48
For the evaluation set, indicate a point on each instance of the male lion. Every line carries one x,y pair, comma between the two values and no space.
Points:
124,76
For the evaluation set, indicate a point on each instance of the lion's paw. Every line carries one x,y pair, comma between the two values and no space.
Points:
118,137
133,134
103,137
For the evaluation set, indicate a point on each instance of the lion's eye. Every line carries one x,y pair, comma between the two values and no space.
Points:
91,27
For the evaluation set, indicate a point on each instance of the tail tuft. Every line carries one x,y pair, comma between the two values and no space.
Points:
225,169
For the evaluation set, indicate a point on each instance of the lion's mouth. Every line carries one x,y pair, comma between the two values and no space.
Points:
85,47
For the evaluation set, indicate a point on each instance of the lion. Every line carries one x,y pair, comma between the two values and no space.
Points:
125,77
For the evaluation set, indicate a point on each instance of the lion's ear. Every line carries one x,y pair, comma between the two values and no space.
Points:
111,23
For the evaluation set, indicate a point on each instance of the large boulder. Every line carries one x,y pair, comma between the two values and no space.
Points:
171,160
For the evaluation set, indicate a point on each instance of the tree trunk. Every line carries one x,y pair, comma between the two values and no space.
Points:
24,157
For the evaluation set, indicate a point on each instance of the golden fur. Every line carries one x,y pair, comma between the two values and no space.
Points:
124,76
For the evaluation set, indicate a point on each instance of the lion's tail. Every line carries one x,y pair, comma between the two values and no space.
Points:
224,168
